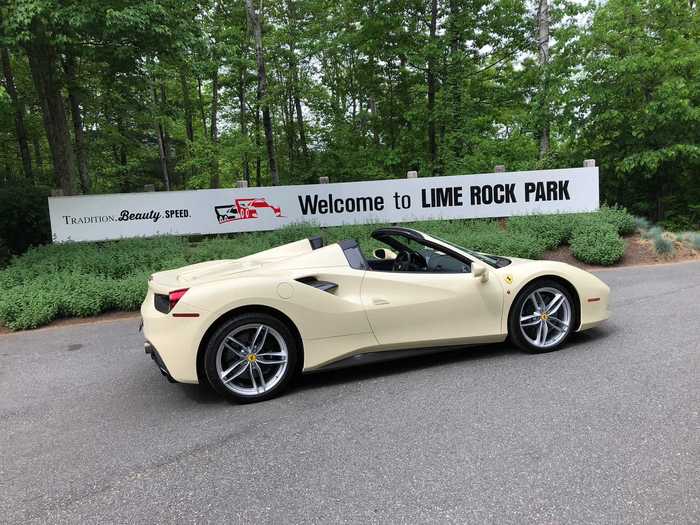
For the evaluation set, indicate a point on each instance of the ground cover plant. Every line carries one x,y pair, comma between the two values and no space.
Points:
84,279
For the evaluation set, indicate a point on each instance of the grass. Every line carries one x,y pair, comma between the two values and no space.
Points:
84,279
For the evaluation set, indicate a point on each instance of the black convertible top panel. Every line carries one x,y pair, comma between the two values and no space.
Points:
316,242
397,230
353,254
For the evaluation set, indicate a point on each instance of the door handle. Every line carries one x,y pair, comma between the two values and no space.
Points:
377,301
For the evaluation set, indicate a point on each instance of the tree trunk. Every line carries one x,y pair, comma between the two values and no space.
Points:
543,55
258,176
70,68
201,106
43,63
187,103
432,140
161,146
214,136
294,67
243,123
300,118
254,24
38,157
18,105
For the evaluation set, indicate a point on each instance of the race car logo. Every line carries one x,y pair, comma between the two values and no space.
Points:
246,209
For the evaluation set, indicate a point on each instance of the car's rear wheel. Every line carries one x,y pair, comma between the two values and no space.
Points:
542,317
251,357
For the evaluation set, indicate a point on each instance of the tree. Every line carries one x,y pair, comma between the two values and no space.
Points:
18,105
255,28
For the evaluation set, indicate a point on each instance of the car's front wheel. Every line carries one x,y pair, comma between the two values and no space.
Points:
251,357
542,317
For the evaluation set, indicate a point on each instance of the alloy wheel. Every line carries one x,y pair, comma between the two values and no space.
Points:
252,359
545,317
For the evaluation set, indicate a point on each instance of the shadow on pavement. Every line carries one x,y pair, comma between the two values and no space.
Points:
204,394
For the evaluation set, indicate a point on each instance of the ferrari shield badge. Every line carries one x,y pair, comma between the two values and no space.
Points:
509,279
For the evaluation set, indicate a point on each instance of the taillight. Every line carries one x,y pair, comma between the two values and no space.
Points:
175,296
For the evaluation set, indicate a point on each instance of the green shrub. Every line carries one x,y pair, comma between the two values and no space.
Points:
620,218
663,245
597,242
550,230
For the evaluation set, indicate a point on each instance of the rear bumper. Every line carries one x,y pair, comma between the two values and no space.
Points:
151,350
174,341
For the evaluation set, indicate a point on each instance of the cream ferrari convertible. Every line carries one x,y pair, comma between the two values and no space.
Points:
248,326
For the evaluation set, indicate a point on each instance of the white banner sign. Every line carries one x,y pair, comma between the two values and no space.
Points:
100,217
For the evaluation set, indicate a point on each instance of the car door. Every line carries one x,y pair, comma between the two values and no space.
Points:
432,309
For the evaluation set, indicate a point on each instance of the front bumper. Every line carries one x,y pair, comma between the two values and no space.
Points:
151,350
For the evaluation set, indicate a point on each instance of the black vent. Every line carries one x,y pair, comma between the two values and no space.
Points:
161,302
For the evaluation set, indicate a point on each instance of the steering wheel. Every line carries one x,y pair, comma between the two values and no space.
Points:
409,262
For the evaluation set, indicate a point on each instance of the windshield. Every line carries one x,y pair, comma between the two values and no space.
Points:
492,260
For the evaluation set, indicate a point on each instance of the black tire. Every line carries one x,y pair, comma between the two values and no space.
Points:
515,331
230,326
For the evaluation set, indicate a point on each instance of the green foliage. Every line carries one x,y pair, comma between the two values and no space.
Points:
84,279
620,218
663,245
595,241
550,230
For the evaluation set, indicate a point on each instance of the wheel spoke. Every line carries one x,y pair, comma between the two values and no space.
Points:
230,348
259,339
558,323
272,358
529,320
553,326
540,302
534,302
260,374
542,331
555,304
252,376
236,374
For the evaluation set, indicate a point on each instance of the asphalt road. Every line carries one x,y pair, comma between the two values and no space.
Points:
606,430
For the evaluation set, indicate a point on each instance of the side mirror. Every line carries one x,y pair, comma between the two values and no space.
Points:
384,254
479,271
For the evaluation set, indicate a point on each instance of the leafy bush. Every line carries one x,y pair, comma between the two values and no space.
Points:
663,245
620,218
597,242
550,230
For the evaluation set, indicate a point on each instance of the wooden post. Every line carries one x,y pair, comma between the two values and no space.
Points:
411,174
500,168
241,183
149,187
589,163
323,180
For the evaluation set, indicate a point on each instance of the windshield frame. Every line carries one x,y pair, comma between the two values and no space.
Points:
495,261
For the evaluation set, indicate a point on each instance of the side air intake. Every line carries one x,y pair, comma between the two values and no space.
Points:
324,286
